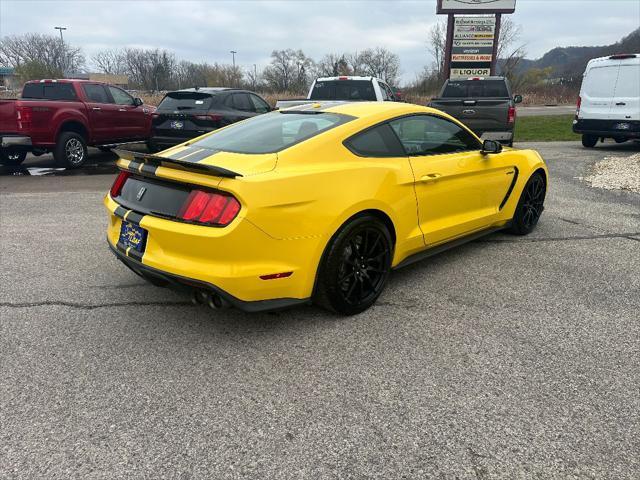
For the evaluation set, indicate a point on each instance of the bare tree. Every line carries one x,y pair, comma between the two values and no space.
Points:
289,70
109,61
436,44
47,51
333,65
380,62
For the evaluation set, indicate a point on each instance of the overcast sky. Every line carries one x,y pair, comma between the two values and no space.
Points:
208,30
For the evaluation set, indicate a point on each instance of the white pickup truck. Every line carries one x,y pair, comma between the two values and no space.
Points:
344,88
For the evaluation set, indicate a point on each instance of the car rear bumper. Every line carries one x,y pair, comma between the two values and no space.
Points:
608,128
19,141
503,136
226,261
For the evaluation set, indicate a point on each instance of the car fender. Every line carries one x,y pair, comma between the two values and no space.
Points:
65,115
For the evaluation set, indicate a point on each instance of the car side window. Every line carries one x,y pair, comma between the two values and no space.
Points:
120,96
96,93
241,102
432,135
379,141
259,105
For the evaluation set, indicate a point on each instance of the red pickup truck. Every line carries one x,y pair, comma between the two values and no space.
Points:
64,116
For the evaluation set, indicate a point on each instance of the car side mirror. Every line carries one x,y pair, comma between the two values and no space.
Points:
517,99
137,101
491,146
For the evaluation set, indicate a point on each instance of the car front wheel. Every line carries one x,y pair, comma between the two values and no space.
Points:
530,205
355,266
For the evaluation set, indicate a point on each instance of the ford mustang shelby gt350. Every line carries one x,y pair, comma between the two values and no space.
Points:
316,203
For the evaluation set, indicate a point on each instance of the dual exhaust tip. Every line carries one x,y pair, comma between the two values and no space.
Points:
210,299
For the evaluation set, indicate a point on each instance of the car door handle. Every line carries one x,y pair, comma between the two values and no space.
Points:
122,109
620,104
430,177
96,108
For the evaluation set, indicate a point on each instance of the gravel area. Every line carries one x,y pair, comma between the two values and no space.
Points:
616,173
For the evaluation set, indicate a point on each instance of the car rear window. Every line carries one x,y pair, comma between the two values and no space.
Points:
352,90
476,89
186,101
271,132
49,91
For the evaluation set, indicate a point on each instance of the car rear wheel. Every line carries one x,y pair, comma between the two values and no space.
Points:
620,139
12,158
530,205
589,141
70,150
355,266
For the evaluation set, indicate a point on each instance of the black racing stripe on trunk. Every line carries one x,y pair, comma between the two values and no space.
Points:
182,153
134,217
200,156
134,166
120,212
135,254
150,169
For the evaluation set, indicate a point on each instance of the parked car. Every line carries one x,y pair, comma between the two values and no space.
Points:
484,104
609,101
64,116
344,88
189,113
315,203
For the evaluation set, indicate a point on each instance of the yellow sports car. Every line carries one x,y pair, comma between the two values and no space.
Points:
315,203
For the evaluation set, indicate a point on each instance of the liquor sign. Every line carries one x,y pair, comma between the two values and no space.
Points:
476,6
472,48
470,72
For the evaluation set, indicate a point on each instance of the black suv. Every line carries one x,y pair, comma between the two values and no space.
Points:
189,113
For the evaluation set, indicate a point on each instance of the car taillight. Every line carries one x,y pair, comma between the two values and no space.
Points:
511,115
116,188
209,208
578,106
213,118
24,116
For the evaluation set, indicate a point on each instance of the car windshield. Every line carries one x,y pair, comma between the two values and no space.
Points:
476,89
186,101
352,90
271,132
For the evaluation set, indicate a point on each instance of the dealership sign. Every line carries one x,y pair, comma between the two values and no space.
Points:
476,6
472,47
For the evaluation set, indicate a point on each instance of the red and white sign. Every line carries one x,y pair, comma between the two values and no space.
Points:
476,6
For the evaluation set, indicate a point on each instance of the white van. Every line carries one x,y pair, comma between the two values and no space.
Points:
609,102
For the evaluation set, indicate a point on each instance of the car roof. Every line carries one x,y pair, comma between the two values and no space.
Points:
362,109
343,77
210,89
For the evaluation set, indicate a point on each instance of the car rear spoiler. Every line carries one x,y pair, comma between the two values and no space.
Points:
157,160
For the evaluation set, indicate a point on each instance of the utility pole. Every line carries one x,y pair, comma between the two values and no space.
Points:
255,76
61,29
233,55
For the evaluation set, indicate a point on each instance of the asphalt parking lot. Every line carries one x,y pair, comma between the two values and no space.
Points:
510,357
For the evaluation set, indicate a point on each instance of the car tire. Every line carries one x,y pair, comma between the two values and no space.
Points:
12,158
70,150
589,141
620,139
530,206
355,266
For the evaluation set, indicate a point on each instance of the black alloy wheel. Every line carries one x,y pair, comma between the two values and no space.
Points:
356,266
530,206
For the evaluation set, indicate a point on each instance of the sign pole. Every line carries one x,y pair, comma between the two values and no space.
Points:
496,39
448,46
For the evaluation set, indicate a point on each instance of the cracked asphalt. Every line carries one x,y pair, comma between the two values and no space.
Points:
508,357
